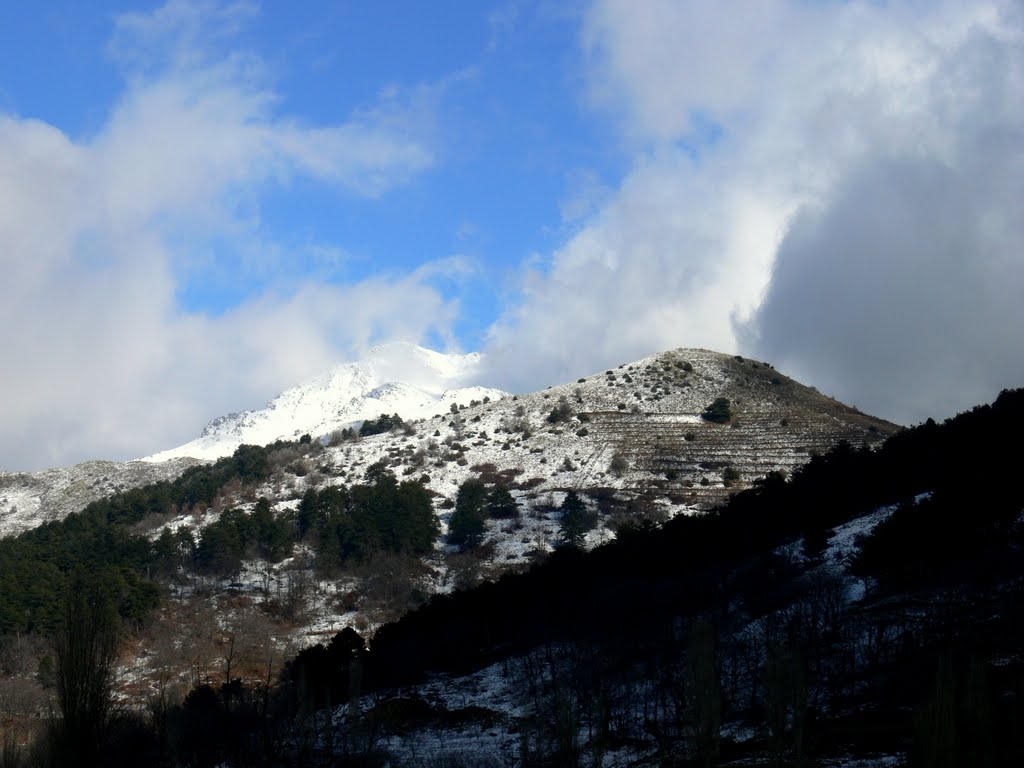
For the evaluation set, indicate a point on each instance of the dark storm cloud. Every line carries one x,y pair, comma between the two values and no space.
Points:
903,295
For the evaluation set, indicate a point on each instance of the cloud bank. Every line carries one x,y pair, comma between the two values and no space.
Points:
99,234
834,187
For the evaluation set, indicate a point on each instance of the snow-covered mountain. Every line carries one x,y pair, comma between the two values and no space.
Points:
635,431
397,378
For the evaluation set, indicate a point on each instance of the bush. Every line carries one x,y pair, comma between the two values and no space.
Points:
618,465
381,424
561,412
719,411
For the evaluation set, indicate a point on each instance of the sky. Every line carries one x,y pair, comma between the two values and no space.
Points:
204,203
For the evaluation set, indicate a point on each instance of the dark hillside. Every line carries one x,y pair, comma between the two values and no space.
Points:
651,574
928,663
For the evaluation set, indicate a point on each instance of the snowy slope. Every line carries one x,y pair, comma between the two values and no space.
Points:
647,413
394,378
29,499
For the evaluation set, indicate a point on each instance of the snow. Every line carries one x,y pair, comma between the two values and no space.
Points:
842,546
29,499
395,378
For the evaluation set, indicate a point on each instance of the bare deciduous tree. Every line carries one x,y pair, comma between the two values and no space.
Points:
85,650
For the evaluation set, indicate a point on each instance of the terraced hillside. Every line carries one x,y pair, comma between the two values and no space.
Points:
636,431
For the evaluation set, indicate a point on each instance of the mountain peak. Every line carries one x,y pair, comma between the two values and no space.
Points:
397,377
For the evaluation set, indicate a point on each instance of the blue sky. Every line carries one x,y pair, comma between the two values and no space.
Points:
505,123
203,203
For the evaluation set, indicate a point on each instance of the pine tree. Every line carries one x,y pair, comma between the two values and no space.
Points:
574,525
501,504
466,527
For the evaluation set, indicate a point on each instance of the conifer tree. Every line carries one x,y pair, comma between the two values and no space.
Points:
466,527
574,520
501,504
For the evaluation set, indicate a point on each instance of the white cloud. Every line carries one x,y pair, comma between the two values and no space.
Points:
758,130
99,359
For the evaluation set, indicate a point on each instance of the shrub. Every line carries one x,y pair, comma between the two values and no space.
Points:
719,411
561,412
381,424
618,465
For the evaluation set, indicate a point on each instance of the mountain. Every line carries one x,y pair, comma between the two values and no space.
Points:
635,435
637,432
394,378
227,562
865,611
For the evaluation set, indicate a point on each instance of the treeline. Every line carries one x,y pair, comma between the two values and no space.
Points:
98,545
353,523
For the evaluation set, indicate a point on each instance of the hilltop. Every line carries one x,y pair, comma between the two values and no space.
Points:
637,431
